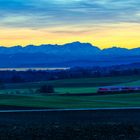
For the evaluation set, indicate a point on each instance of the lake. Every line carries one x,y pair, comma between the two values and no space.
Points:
36,69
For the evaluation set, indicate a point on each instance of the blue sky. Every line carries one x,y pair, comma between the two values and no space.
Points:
68,16
43,13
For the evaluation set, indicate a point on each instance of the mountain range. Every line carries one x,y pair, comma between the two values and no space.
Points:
67,55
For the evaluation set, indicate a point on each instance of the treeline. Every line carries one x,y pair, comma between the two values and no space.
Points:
77,72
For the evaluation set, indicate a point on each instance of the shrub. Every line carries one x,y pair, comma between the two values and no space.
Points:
46,89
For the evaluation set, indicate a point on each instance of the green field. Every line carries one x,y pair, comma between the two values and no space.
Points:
24,94
81,82
122,100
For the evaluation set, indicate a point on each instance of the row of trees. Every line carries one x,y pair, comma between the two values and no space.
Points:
33,76
44,90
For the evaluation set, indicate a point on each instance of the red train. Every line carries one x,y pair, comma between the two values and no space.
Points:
119,89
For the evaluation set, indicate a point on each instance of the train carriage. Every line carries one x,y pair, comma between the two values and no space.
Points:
119,89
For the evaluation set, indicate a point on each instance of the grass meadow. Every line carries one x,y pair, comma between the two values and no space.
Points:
24,94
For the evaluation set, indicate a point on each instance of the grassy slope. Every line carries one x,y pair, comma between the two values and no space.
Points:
134,83
83,85
82,82
123,100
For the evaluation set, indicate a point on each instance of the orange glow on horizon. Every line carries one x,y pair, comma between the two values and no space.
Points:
122,35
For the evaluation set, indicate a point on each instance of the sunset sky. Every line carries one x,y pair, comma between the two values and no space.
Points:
104,23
